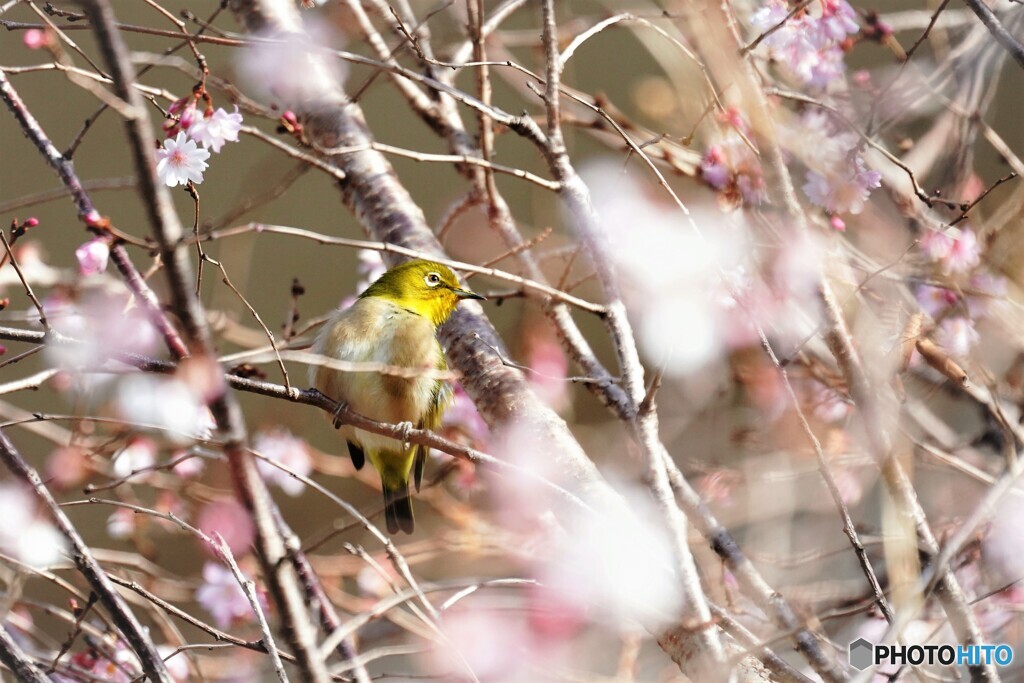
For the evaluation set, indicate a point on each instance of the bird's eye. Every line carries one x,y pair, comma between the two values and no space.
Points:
433,279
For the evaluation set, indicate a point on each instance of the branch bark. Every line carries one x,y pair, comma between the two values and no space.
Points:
296,622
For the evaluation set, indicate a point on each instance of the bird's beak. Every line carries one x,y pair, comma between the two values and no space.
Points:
466,294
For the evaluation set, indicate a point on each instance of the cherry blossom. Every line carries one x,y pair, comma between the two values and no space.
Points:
934,300
957,335
139,454
180,115
549,369
24,534
121,524
232,521
221,596
282,446
93,256
180,161
463,422
955,250
808,44
845,189
714,168
35,39
163,403
216,128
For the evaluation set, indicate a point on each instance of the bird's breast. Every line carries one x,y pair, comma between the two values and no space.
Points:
376,331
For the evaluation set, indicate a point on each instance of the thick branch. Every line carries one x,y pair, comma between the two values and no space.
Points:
282,580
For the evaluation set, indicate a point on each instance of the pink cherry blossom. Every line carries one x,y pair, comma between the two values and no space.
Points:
216,128
24,533
35,39
181,115
956,251
934,300
121,524
67,467
232,521
845,190
180,160
991,290
808,45
139,454
282,446
550,367
957,336
463,422
221,595
964,254
93,256
714,169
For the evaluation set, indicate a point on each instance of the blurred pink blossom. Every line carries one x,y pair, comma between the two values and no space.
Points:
934,300
67,466
615,563
177,664
93,256
731,168
1005,538
714,168
549,370
828,405
162,403
491,643
121,524
843,190
25,534
956,251
138,454
115,663
958,336
282,446
35,38
990,293
717,487
214,129
808,44
222,597
286,69
232,521
189,467
463,422
180,161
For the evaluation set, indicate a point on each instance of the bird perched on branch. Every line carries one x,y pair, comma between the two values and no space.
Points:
394,323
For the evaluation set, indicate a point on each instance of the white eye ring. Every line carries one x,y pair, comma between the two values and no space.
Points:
432,279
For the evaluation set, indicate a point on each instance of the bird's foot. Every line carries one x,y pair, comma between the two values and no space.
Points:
405,428
342,407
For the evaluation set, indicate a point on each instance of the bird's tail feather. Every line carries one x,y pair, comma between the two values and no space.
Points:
398,509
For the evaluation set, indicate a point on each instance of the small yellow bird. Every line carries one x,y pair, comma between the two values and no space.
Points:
394,322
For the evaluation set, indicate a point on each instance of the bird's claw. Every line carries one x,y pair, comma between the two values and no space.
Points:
405,428
342,407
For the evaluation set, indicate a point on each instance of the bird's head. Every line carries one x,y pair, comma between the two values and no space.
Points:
423,287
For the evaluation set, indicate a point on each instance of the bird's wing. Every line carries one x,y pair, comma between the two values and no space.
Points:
439,402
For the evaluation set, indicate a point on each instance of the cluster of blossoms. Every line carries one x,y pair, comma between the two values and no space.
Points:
837,179
183,156
731,166
809,45
954,256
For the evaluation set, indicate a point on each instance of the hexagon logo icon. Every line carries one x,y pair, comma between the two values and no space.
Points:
862,654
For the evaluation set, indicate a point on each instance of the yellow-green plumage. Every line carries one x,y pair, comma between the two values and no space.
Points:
394,322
